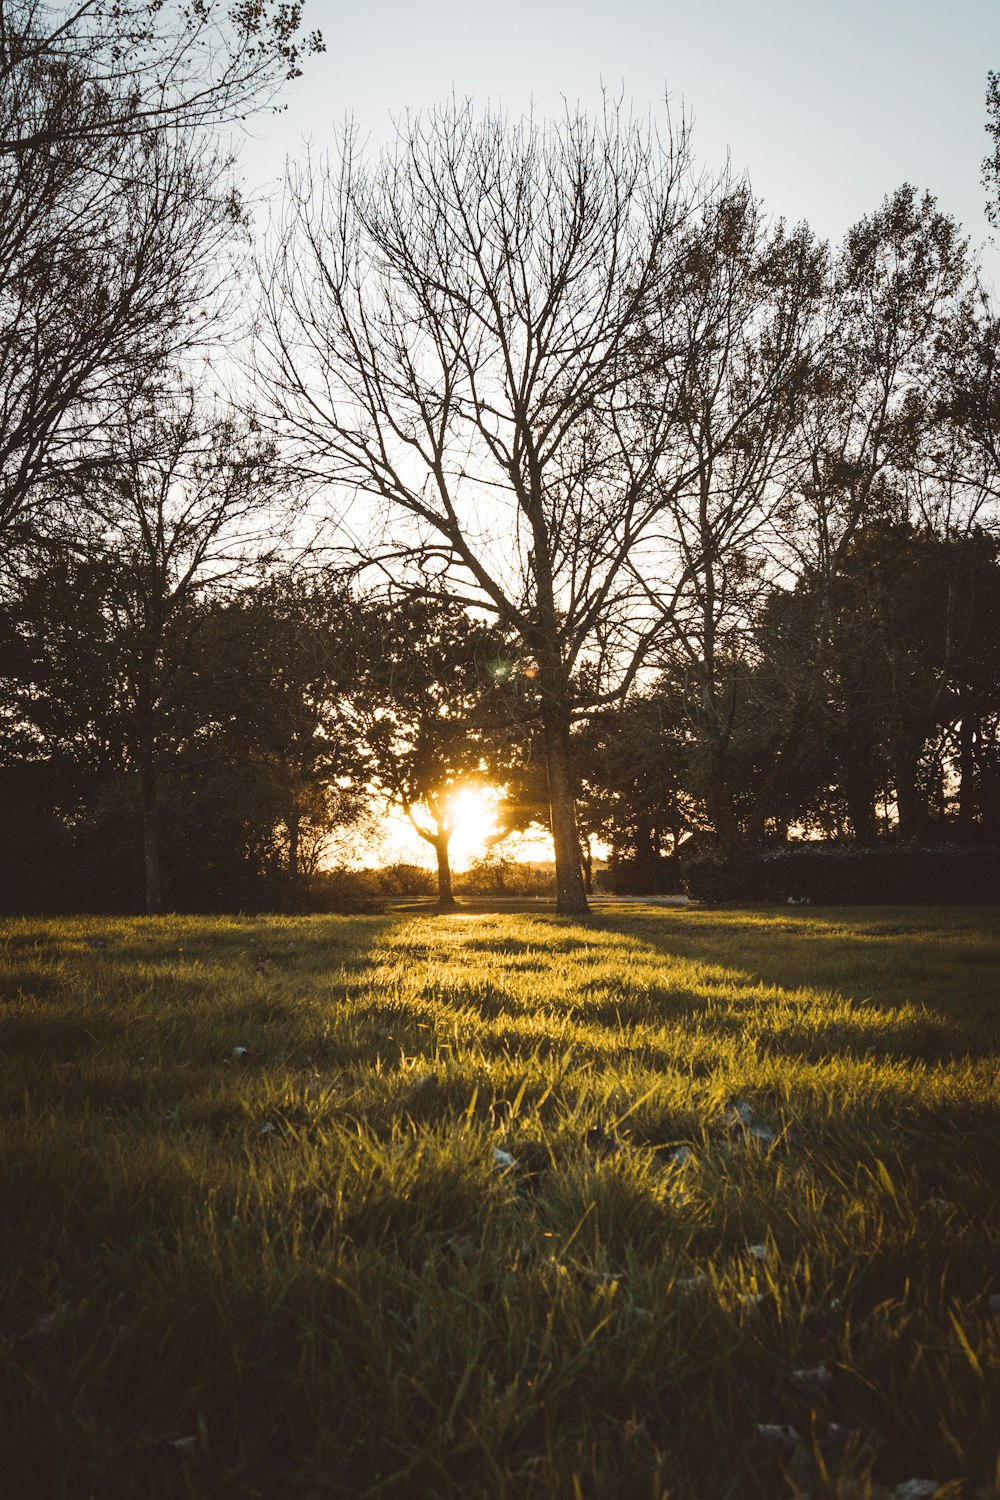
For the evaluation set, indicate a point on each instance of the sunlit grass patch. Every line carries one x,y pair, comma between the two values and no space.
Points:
501,1205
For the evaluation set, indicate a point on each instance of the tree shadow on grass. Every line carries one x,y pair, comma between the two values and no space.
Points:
106,1015
949,972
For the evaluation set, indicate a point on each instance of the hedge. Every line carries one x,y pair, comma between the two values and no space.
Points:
842,875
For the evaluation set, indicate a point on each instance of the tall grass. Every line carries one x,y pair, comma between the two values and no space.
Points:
496,1205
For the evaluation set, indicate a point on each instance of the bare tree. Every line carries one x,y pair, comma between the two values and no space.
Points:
98,292
116,210
130,68
452,332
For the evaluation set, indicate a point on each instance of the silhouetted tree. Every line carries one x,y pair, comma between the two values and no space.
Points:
282,661
631,761
434,707
116,210
749,311
180,498
453,331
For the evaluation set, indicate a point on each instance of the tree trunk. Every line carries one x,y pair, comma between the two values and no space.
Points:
859,794
571,898
150,839
446,900
587,863
967,775
909,803
720,802
293,845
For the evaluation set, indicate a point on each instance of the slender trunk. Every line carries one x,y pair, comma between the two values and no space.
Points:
859,794
446,900
587,864
293,845
150,836
909,803
967,775
571,897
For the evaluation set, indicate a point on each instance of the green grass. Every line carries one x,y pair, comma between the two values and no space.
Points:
307,1259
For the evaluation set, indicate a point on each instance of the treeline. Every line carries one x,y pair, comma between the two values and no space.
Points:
864,714
257,743
677,523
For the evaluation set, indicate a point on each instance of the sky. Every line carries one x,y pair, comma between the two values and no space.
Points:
828,107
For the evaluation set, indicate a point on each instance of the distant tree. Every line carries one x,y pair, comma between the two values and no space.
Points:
749,308
280,662
435,707
256,756
893,293
454,331
631,763
901,702
894,289
180,498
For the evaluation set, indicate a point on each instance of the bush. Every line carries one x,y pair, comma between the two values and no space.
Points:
341,891
497,876
632,877
405,880
843,875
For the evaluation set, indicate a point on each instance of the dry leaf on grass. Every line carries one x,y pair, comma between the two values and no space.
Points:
812,1381
780,1439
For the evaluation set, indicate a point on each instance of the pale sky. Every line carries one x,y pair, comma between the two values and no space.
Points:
828,107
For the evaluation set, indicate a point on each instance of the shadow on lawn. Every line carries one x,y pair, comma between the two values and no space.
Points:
947,971
163,994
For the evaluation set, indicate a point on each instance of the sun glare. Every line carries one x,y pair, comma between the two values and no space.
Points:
473,810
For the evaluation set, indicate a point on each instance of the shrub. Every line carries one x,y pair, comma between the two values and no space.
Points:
341,891
632,877
843,875
405,880
497,876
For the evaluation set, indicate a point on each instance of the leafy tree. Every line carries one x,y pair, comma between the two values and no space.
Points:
256,758
749,310
282,662
437,702
899,702
180,500
632,764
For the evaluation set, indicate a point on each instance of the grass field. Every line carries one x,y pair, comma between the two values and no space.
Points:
501,1205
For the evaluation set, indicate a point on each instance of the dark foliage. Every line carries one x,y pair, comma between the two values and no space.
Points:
845,875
